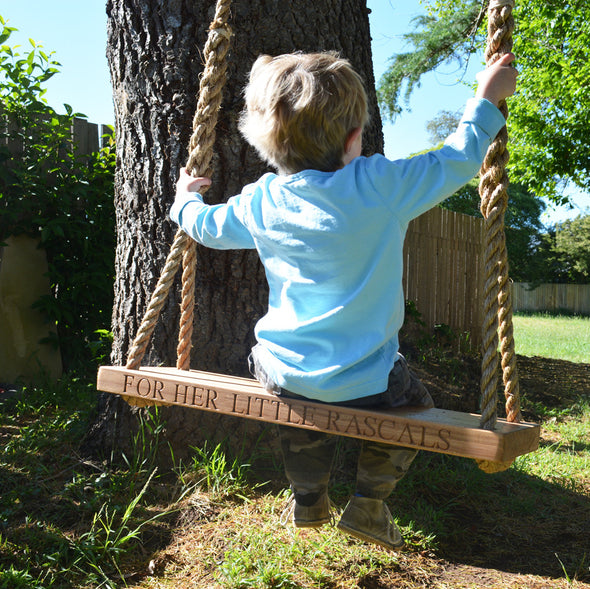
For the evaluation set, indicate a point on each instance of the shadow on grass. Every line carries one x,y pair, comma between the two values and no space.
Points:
49,497
509,521
564,447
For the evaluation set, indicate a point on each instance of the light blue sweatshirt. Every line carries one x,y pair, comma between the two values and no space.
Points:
331,244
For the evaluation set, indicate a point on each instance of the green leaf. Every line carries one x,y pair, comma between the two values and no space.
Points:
67,201
550,113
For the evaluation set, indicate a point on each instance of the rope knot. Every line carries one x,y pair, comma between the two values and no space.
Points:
221,30
500,4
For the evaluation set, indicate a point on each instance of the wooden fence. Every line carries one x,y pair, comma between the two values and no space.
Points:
443,270
88,137
573,298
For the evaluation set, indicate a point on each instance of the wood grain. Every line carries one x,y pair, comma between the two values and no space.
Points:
435,430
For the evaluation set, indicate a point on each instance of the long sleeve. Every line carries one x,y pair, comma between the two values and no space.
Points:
214,226
417,184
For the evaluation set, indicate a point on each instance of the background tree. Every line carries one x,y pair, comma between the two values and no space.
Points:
549,113
442,125
523,226
154,57
572,249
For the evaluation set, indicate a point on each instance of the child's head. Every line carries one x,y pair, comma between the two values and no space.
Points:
300,109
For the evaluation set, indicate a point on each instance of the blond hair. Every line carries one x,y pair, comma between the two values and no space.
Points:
300,109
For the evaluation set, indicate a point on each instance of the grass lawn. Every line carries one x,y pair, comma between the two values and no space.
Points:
73,522
560,337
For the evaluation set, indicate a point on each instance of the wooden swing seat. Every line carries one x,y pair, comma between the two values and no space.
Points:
435,430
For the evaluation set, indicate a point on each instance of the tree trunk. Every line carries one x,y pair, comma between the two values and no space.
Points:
154,52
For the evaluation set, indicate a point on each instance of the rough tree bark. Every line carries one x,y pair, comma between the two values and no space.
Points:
155,61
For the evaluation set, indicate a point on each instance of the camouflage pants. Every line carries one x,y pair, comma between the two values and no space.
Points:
308,455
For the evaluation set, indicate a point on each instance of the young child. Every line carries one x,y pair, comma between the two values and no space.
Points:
329,229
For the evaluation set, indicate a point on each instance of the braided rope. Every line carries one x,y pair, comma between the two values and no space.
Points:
497,300
200,155
198,164
157,300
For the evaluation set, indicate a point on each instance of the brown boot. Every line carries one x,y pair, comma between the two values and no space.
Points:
370,520
307,511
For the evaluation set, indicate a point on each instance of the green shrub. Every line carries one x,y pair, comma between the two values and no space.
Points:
49,191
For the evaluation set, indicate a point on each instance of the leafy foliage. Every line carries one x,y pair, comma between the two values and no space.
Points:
572,248
49,191
442,125
435,42
551,109
550,114
523,227
526,239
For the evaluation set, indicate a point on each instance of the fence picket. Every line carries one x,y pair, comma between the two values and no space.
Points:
572,298
443,270
85,135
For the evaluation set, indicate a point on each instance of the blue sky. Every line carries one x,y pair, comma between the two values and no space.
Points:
76,31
